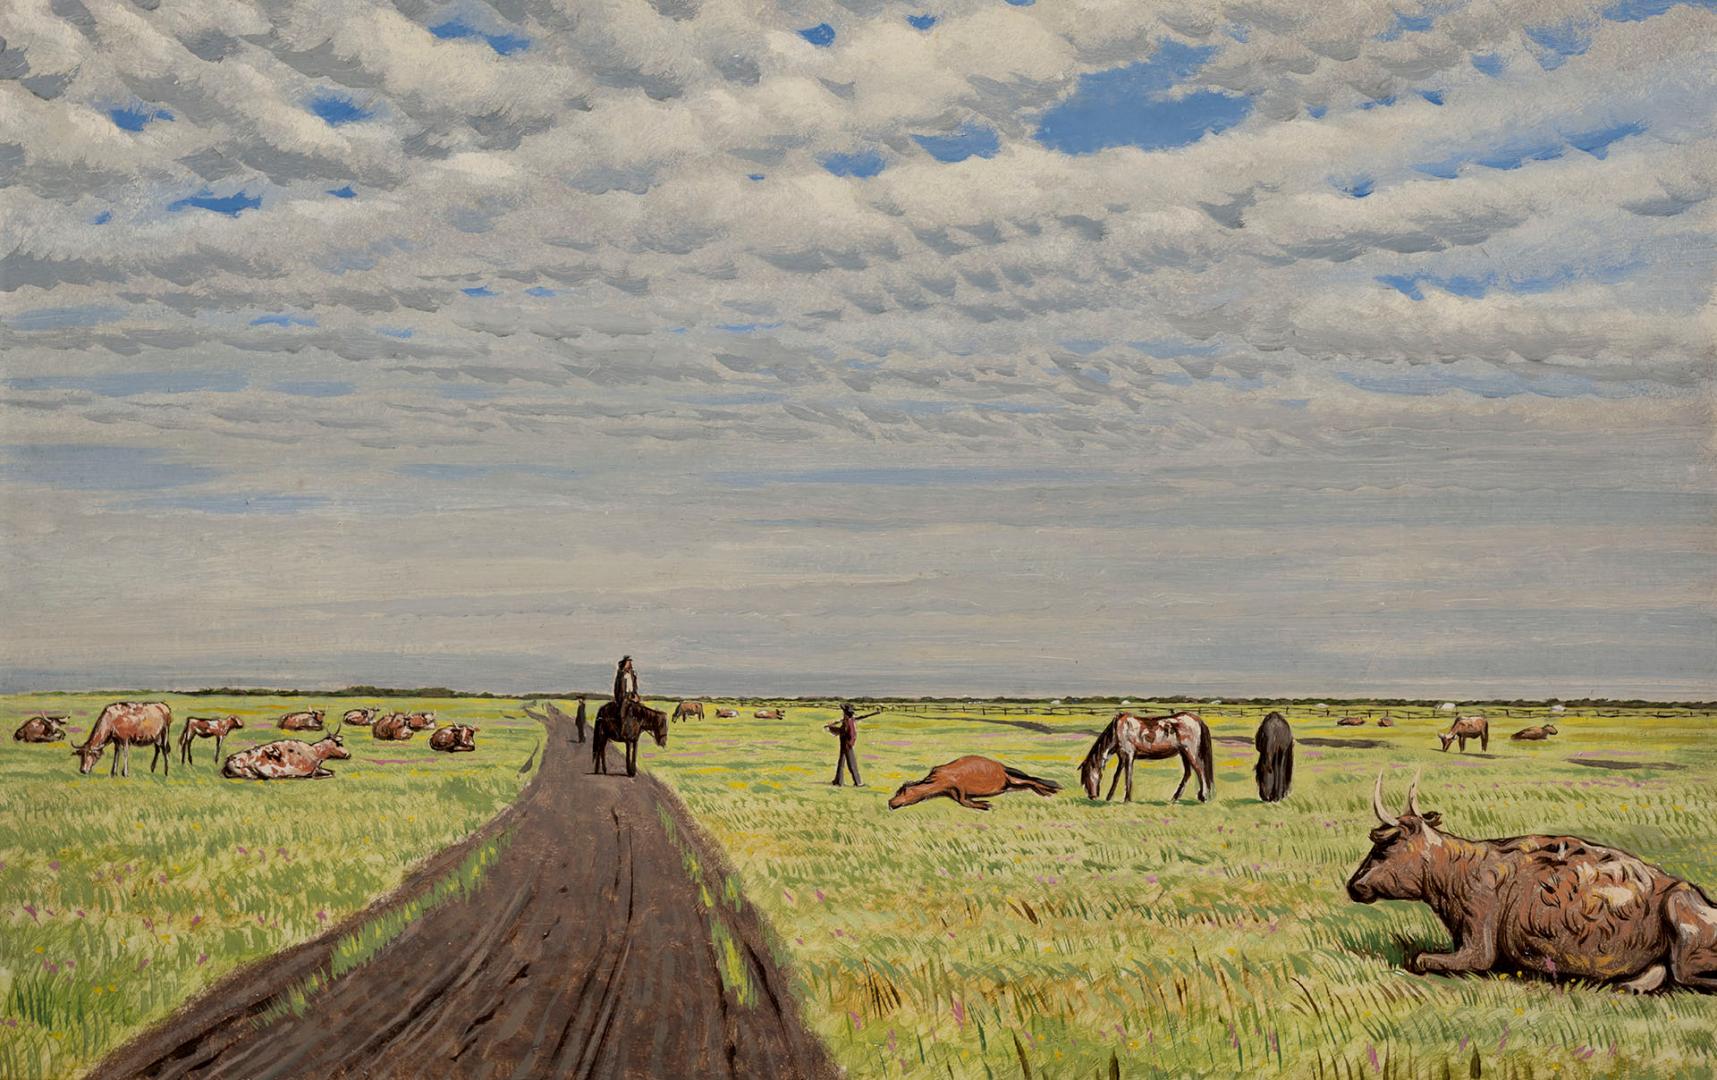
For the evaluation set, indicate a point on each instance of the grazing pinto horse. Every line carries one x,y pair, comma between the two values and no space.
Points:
968,780
685,710
1464,728
126,724
206,727
1275,768
610,727
1153,738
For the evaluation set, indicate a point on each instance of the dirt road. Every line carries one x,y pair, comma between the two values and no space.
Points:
584,953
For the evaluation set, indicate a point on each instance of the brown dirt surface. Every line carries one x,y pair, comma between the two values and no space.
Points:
584,952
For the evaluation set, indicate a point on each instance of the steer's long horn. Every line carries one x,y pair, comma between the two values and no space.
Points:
1377,802
1412,792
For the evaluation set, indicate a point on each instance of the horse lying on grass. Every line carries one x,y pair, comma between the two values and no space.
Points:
969,779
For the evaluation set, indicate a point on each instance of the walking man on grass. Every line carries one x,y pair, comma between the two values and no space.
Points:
847,729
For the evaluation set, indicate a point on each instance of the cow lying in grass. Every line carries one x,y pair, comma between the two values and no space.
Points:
361,717
394,727
287,759
309,720
1535,734
454,738
969,780
1557,905
42,728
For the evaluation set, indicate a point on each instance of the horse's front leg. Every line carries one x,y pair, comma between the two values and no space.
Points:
1185,774
1128,762
1115,783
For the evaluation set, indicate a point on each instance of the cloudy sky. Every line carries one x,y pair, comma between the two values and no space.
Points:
971,346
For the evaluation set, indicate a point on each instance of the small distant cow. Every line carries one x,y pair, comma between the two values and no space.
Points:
126,724
361,717
287,759
42,728
1464,728
420,721
727,714
310,720
454,738
206,727
770,714
1385,721
394,727
1351,721
1557,905
1535,734
685,710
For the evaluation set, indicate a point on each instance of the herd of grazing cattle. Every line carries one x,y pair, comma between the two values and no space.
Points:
125,724
1464,728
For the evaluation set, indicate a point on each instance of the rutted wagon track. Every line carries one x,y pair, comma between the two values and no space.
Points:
585,952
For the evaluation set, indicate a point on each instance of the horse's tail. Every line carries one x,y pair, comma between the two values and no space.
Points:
1027,778
1206,755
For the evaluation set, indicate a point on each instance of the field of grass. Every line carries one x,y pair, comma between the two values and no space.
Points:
119,899
1065,938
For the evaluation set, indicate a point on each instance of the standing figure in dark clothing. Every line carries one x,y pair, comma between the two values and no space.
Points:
1275,769
625,684
847,729
579,720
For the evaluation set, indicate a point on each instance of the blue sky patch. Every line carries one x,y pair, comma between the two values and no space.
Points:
538,290
58,318
1316,112
466,392
1489,63
99,468
503,43
231,205
137,119
1435,97
1168,348
1131,106
1083,346
921,22
1021,3
441,470
1406,24
1640,10
336,111
1378,103
821,35
1558,41
1423,382
233,504
747,327
102,218
754,176
343,192
1598,142
478,290
283,320
972,140
394,332
121,384
314,388
1357,188
863,164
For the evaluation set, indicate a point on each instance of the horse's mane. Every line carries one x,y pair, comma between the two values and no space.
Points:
1104,745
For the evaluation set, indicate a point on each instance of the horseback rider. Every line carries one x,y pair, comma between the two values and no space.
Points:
625,686
847,729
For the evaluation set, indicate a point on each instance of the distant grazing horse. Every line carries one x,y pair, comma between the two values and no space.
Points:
1275,768
970,779
685,710
1153,738
610,727
126,724
206,727
1464,728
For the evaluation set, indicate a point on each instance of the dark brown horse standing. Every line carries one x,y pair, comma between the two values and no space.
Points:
1183,734
611,727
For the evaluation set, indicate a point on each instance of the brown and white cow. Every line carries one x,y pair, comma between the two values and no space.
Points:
287,759
1535,734
206,727
361,717
394,727
420,721
42,728
1385,721
454,738
1351,721
1557,905
126,724
770,714
685,710
309,720
1464,728
727,714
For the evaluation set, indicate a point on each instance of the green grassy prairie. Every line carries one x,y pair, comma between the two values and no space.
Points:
1064,938
119,899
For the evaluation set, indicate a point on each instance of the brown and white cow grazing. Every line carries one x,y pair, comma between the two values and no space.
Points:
454,738
770,714
1535,734
394,727
1557,905
309,720
287,759
727,714
42,728
361,717
206,727
126,724
1464,728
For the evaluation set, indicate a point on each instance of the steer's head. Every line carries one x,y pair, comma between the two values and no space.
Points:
336,746
234,722
87,757
1401,848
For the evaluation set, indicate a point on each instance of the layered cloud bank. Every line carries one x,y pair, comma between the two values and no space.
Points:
968,346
